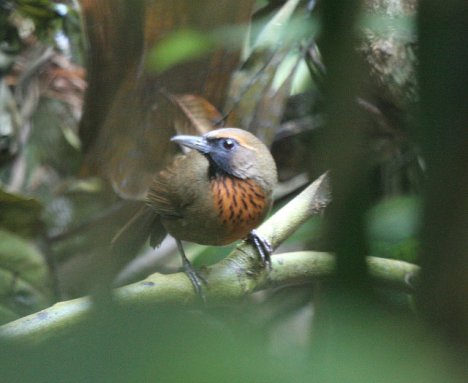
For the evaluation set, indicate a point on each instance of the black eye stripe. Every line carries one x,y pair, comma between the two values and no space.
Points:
228,143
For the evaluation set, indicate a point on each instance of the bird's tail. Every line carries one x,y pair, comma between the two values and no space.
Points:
130,238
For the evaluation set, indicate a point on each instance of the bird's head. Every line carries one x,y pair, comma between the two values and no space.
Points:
234,152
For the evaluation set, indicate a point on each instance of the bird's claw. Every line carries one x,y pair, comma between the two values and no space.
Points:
196,279
263,247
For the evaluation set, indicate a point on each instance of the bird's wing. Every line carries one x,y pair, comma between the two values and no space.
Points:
163,197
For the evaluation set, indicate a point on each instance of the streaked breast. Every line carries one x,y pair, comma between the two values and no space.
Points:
241,205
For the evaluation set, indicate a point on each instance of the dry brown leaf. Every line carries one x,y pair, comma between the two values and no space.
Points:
127,121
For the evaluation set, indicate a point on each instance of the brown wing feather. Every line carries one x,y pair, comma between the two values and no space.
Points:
161,197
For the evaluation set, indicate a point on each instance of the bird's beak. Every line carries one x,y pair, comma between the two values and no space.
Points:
193,142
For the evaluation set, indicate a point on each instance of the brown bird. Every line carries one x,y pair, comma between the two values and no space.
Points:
217,193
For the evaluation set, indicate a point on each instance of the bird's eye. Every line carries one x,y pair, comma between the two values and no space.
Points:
228,144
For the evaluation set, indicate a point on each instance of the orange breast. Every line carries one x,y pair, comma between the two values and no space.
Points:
241,206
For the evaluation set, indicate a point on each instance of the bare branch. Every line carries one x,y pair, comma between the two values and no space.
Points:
234,277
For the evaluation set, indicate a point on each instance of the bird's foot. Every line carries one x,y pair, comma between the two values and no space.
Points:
198,281
263,247
195,278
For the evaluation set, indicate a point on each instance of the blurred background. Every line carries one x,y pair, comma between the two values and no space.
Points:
374,90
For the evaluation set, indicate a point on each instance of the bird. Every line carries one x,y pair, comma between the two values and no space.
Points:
216,193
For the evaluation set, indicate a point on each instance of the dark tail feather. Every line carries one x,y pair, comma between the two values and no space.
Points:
128,241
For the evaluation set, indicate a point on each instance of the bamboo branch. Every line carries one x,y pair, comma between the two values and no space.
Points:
225,284
234,277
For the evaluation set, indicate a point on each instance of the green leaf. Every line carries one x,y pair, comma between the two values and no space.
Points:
24,277
393,227
20,214
179,46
